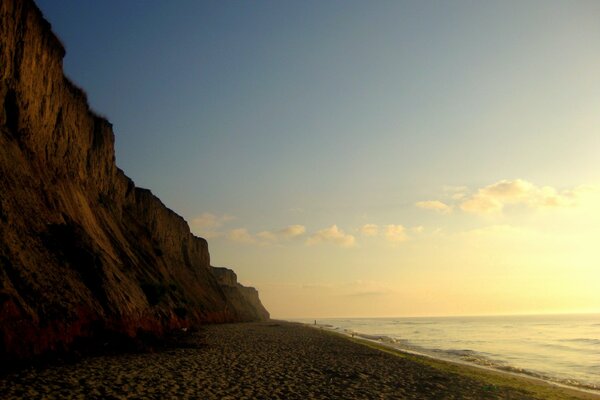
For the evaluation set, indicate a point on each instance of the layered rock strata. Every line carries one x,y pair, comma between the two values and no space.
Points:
83,251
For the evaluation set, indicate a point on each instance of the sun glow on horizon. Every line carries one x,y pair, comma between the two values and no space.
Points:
364,158
517,248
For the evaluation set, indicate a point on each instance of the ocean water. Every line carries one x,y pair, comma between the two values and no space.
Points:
563,349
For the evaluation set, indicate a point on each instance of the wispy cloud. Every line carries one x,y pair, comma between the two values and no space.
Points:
267,237
241,235
292,231
369,230
333,235
495,198
492,199
395,233
456,192
434,205
207,224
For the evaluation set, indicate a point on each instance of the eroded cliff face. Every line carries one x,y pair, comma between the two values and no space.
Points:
243,300
82,250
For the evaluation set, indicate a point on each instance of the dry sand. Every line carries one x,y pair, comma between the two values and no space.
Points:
274,360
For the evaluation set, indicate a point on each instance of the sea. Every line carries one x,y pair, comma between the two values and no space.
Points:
563,349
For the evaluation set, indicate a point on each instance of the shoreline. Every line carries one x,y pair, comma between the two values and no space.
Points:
275,360
485,372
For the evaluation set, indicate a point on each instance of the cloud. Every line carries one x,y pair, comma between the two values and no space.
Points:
492,199
292,231
395,233
456,192
369,230
418,229
207,224
241,235
267,237
287,233
435,205
332,235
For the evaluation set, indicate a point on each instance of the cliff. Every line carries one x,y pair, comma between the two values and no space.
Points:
83,251
239,296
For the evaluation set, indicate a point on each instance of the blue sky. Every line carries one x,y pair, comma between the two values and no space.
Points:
252,118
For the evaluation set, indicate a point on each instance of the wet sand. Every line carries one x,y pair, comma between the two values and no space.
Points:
274,360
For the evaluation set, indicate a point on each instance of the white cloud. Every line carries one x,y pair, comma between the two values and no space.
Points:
480,204
456,192
267,237
495,197
292,231
241,235
332,235
369,230
395,233
287,233
207,224
435,205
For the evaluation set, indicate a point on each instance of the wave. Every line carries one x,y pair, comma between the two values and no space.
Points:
562,381
469,356
457,353
380,338
582,340
557,346
476,358
473,357
414,323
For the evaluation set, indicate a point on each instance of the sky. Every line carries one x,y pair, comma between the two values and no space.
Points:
363,159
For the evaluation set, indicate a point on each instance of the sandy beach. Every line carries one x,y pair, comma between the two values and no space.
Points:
272,360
